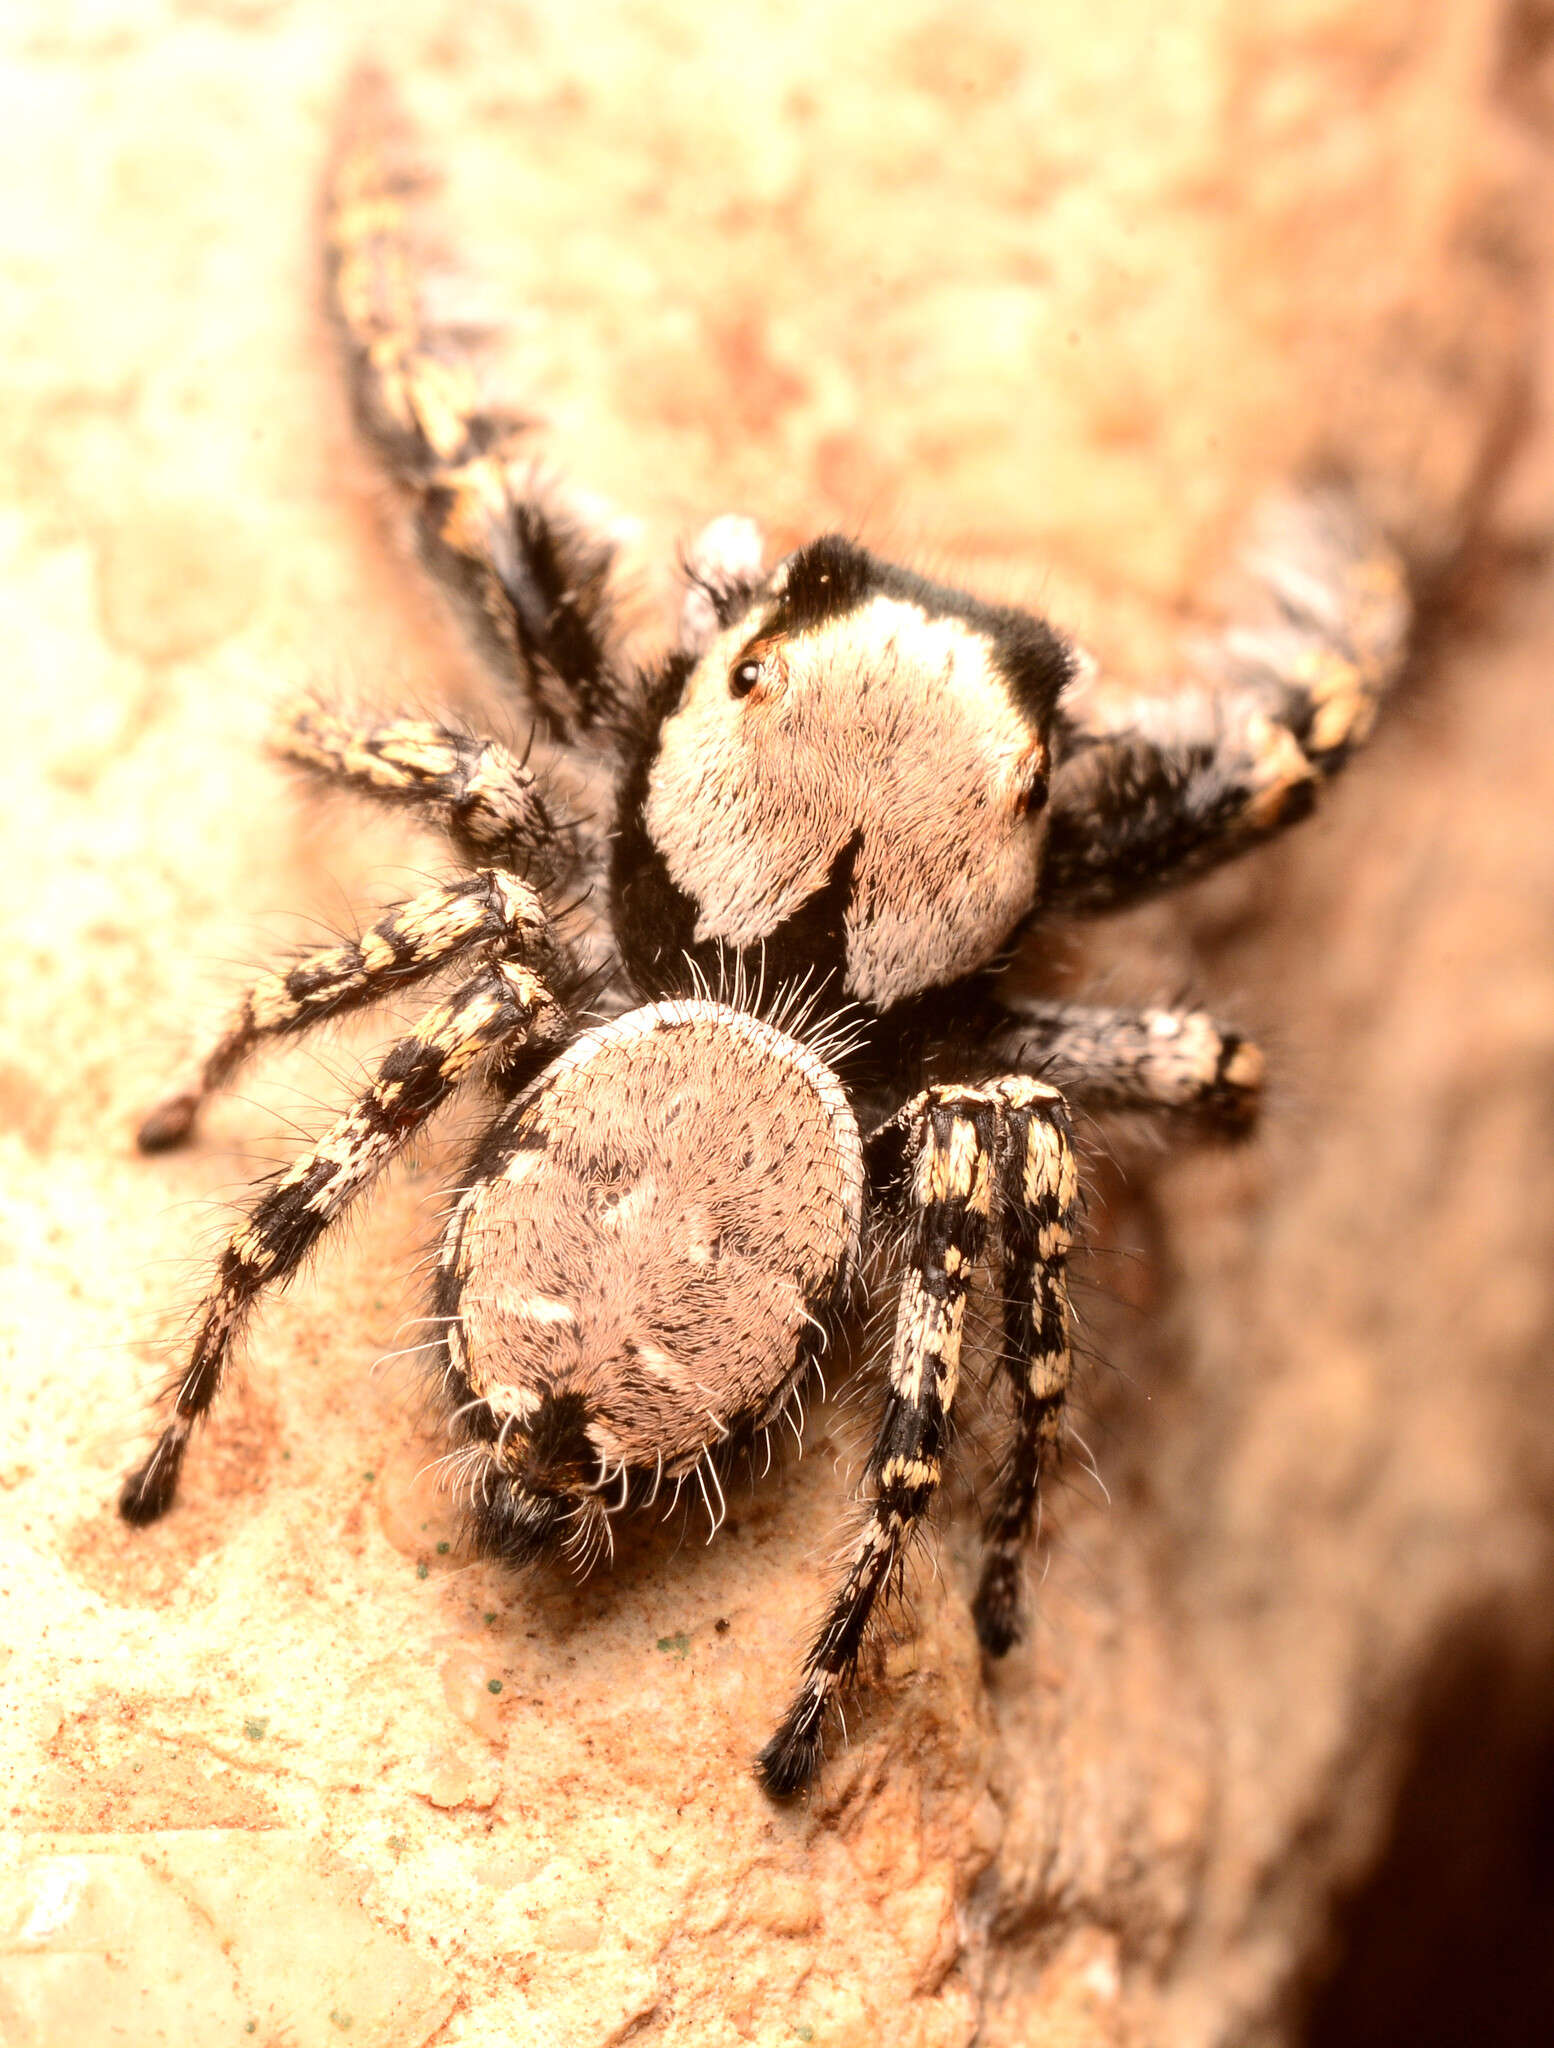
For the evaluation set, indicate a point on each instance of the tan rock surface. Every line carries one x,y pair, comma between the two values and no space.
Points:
1042,300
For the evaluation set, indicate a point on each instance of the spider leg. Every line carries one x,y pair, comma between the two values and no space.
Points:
504,1006
534,584
486,800
1149,792
1134,1059
411,942
1037,1198
950,1136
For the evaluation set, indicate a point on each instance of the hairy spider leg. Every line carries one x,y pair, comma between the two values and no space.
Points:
535,585
1036,1193
1121,1059
487,801
1164,787
950,1167
502,1007
410,942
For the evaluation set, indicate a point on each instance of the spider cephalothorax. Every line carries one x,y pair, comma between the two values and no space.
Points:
845,789
851,776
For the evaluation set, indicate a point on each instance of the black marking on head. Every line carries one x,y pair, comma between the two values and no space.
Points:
832,576
654,919
813,940
823,580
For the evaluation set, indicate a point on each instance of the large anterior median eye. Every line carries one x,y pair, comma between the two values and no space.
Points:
743,678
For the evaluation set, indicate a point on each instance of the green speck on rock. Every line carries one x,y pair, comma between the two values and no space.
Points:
677,1645
256,1727
369,1477
493,1685
422,1568
339,2019
804,2032
442,1549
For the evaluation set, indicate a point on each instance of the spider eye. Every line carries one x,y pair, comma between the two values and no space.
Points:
1035,796
744,678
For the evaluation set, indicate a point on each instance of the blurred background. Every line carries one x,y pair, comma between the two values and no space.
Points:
1039,298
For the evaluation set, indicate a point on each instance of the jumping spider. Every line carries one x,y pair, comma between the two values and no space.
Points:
846,781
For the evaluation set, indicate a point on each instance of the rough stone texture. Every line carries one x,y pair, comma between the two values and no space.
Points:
1041,298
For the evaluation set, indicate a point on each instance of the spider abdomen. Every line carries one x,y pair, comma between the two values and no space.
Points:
648,1246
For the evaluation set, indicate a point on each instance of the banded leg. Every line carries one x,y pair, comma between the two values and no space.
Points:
950,1141
1135,1059
487,801
1037,1200
411,942
535,586
502,1007
1152,790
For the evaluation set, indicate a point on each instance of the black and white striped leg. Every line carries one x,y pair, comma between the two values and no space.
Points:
1117,1059
407,944
486,800
500,1008
1037,1201
950,1138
